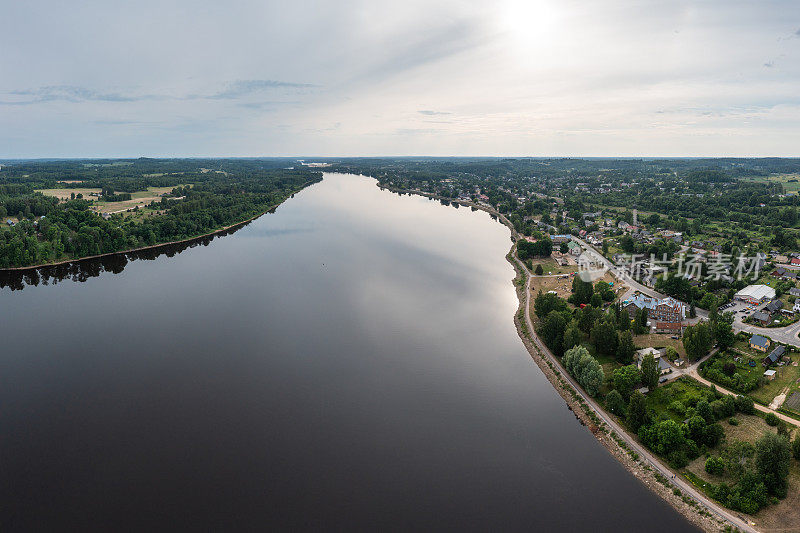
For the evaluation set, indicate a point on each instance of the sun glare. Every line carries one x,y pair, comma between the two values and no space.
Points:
529,22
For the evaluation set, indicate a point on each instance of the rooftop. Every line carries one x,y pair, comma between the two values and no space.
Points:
758,315
758,340
757,292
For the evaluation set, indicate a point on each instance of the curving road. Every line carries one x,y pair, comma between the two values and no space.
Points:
651,459
622,274
785,335
634,445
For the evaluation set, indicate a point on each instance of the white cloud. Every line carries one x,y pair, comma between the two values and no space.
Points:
358,77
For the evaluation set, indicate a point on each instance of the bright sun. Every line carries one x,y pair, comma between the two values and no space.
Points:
530,22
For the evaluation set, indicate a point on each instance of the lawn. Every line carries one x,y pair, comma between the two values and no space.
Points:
749,376
743,346
787,375
549,266
660,340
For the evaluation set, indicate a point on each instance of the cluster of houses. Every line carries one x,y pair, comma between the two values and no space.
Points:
784,274
787,259
776,357
764,316
35,222
758,294
604,225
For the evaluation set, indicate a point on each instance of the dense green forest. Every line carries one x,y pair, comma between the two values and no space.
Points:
207,195
684,190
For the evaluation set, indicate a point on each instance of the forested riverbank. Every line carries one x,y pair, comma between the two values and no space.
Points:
55,212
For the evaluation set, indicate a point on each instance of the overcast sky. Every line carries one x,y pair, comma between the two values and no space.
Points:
366,77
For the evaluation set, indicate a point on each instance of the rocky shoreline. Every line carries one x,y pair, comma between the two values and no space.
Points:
653,480
628,459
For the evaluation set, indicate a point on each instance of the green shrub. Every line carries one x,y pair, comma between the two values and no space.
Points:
678,407
745,405
715,465
771,419
615,403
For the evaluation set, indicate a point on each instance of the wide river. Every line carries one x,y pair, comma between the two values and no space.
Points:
348,362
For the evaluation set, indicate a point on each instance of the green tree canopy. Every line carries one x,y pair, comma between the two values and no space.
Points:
650,371
697,340
625,379
773,456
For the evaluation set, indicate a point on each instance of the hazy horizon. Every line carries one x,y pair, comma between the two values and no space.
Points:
513,78
310,158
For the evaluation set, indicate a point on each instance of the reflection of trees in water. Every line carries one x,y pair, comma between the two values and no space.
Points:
84,269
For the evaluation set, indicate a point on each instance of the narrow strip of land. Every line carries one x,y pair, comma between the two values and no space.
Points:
541,350
609,420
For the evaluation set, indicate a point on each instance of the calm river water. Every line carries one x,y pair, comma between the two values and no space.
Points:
348,362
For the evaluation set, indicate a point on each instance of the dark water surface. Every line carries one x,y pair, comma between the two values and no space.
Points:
348,362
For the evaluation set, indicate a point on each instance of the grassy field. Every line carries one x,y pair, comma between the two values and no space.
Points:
750,428
562,286
549,266
790,182
660,340
562,283
65,194
773,517
786,376
138,199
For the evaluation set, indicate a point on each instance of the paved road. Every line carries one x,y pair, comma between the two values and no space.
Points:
623,274
651,459
785,335
692,371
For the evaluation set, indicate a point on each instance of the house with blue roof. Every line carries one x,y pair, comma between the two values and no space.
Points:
760,343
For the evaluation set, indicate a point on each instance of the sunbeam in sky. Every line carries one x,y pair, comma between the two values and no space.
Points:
357,77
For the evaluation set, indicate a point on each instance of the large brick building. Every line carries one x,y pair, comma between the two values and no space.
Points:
666,310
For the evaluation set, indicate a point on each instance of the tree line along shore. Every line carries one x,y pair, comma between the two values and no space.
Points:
59,211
